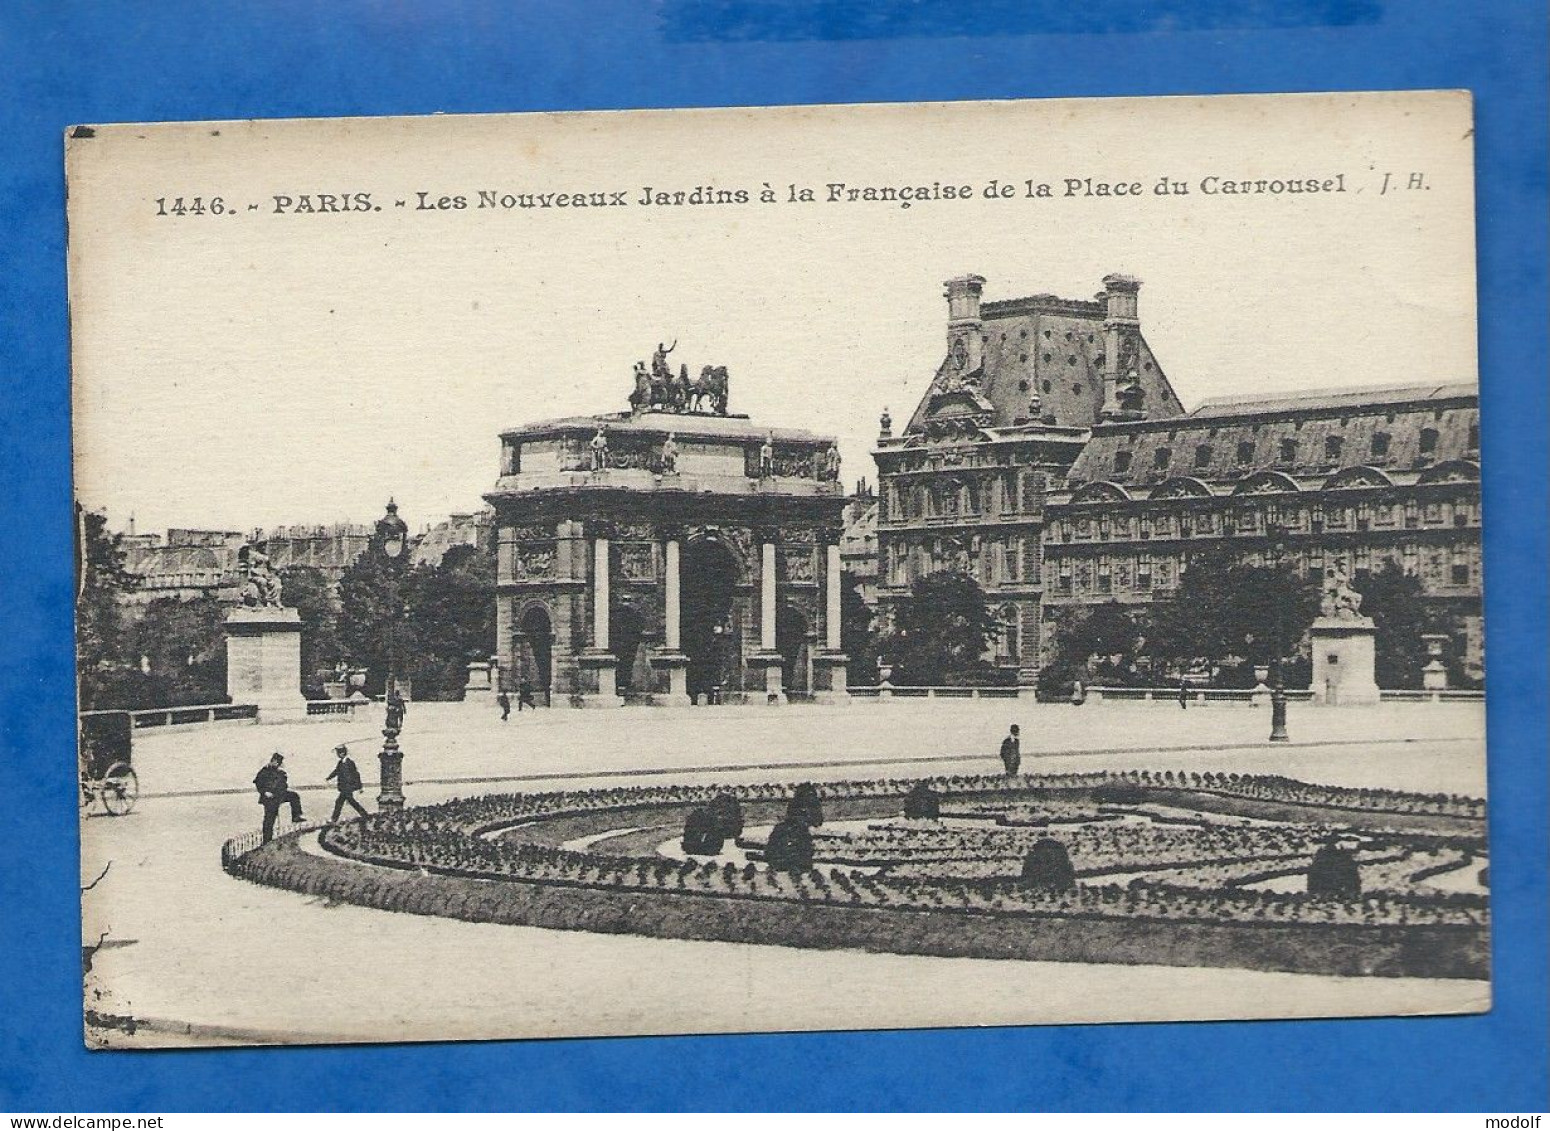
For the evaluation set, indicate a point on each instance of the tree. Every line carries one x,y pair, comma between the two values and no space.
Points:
451,610
108,675
1099,644
941,632
308,591
1225,610
181,647
857,637
1397,605
372,626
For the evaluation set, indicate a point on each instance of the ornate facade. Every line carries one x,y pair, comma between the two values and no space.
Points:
1052,459
668,556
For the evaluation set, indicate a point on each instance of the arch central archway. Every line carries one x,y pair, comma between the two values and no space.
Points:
708,634
537,652
793,641
627,633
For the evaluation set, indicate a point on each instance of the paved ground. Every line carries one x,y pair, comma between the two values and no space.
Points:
188,947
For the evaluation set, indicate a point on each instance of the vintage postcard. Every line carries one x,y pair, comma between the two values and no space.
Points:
778,569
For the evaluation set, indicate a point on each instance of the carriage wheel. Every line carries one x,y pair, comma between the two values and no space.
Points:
119,789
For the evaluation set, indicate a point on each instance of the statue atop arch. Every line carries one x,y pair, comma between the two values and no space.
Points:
658,389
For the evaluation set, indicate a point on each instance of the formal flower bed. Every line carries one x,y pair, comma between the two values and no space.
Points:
1149,854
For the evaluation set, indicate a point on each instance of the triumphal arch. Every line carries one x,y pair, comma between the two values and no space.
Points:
671,553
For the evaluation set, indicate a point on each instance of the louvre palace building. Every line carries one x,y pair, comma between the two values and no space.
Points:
1052,459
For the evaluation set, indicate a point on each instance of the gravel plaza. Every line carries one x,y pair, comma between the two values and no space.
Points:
292,968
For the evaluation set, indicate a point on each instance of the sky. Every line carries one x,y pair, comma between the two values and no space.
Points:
266,365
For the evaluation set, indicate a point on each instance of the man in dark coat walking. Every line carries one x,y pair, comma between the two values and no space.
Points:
1183,694
503,701
1011,752
347,779
274,790
525,696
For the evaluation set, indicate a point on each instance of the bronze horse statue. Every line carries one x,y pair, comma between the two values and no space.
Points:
711,386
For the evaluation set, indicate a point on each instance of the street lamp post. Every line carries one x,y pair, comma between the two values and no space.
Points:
391,541
1278,732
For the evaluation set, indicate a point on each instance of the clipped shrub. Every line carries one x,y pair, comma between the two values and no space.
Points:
1047,867
804,806
1119,794
702,833
922,802
790,847
728,815
1333,873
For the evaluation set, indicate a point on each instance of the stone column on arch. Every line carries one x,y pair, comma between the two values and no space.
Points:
767,656
671,658
831,660
597,659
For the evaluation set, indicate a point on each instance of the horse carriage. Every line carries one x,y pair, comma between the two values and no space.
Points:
105,739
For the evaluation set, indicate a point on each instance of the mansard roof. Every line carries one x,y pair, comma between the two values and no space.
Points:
1328,439
1334,400
1052,347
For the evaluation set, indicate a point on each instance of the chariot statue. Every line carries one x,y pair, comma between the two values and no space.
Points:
658,389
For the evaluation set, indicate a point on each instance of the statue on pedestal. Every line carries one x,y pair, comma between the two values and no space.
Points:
599,448
645,394
261,584
1340,601
767,457
669,456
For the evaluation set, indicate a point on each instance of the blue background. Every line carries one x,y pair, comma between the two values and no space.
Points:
62,64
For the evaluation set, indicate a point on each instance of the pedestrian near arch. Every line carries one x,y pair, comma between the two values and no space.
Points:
346,777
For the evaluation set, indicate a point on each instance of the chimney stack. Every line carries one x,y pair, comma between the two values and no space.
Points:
965,330
1121,327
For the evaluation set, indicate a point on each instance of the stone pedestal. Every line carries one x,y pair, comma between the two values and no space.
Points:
1344,661
676,664
1434,676
479,685
774,665
603,667
832,675
1260,696
263,662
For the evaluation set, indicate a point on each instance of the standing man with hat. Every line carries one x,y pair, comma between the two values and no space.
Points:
1011,752
347,779
274,790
